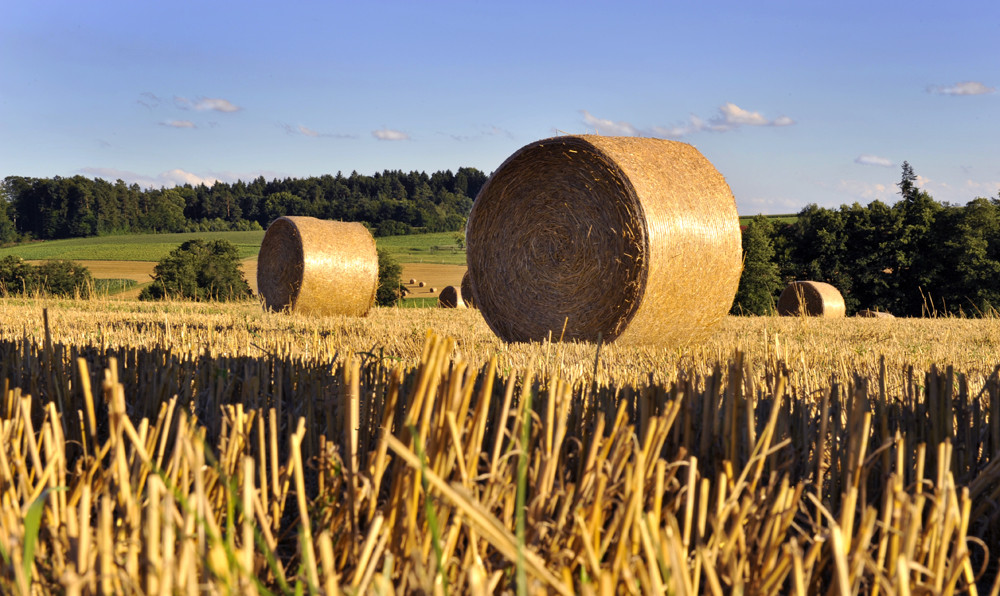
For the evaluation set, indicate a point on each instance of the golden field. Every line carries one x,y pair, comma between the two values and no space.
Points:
180,447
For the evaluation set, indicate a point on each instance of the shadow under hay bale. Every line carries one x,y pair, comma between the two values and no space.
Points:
811,298
874,314
467,297
317,267
616,237
450,297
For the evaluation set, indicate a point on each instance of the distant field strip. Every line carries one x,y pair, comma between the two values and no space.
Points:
439,248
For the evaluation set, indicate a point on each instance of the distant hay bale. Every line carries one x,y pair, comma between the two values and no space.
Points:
467,290
450,297
625,238
432,290
412,281
317,267
811,298
874,314
421,284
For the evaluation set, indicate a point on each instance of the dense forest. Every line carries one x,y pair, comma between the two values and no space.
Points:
916,257
391,203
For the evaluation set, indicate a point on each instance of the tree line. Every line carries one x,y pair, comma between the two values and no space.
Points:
390,203
916,257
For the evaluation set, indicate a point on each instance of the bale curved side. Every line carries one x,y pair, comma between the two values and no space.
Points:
467,296
450,297
616,237
317,267
811,298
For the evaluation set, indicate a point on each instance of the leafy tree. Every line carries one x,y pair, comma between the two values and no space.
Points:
760,281
16,276
64,278
390,286
199,270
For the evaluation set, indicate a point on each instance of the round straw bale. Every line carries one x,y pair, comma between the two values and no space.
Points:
422,284
614,237
467,290
412,281
811,298
432,290
450,297
317,267
874,314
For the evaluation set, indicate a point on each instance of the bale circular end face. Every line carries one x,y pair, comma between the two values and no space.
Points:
467,290
615,237
450,297
316,267
811,298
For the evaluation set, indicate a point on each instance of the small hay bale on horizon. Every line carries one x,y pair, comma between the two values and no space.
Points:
466,286
811,298
617,238
874,314
450,297
412,281
432,290
421,284
317,267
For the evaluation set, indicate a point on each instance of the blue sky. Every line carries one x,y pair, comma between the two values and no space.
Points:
794,102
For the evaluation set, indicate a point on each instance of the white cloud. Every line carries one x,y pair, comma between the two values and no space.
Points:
867,191
206,103
166,179
873,160
308,131
983,189
387,134
734,115
607,127
179,124
729,117
963,88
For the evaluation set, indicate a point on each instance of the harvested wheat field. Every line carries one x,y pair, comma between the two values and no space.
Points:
434,276
182,447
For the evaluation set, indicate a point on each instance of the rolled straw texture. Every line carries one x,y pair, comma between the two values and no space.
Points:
467,297
617,237
450,297
317,267
811,298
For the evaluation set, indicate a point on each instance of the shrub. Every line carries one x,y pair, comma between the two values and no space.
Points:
199,270
390,285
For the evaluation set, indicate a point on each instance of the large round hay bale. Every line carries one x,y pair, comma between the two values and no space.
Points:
467,297
811,298
616,237
317,267
450,297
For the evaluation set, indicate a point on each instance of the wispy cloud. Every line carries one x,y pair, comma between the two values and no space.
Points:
387,134
487,132
309,132
203,104
874,160
963,88
176,177
179,124
729,117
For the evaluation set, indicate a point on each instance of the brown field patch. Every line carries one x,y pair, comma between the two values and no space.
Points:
434,276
